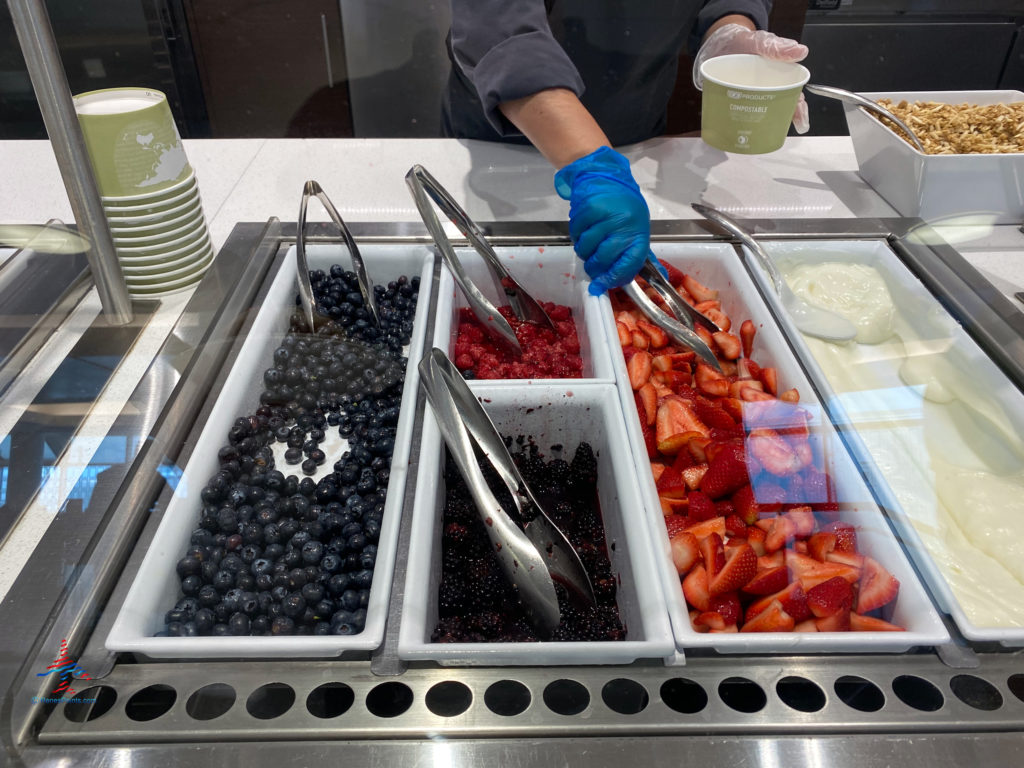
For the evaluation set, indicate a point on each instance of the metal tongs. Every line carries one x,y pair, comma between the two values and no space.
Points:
312,189
680,327
526,308
850,97
531,549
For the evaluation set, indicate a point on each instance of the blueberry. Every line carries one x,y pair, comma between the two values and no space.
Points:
260,566
349,600
238,624
343,623
338,583
191,585
294,605
189,566
363,579
312,552
221,630
204,620
208,596
312,593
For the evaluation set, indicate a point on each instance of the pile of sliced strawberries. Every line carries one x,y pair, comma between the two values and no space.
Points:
750,513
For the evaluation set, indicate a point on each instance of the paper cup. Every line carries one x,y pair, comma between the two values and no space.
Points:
132,140
748,102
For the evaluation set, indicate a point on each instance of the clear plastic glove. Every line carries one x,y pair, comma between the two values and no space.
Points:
609,221
734,38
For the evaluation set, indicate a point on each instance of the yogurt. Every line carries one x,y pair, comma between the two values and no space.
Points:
948,452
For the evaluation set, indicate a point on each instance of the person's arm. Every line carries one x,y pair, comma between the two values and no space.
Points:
557,124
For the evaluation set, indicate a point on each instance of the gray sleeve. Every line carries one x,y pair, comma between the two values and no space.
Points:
506,50
712,10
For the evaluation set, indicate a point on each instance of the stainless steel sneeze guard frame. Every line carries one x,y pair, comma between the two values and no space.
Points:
862,710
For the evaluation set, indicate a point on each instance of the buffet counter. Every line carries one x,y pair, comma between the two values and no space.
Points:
67,570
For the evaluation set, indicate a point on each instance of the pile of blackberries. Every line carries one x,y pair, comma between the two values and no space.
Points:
278,555
476,604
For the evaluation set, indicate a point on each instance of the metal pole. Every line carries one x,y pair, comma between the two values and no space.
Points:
50,83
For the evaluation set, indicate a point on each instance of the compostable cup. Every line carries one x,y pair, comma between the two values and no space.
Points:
132,140
748,102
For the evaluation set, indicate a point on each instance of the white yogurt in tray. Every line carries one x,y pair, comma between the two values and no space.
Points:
935,422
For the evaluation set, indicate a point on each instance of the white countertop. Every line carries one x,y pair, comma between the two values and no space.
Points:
254,179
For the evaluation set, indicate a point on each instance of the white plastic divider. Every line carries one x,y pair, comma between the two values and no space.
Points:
157,587
550,414
934,333
718,267
549,273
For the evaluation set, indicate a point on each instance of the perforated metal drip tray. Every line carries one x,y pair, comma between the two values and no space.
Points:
955,689
190,702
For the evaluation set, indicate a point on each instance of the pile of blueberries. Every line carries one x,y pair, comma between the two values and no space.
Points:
274,554
476,603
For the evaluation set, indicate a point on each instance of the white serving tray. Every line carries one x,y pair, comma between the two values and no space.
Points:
718,266
156,587
551,414
549,273
989,187
934,330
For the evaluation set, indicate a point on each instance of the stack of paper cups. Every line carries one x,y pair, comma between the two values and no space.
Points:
149,190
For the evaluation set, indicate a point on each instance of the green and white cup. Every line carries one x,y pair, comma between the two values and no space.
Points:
748,102
132,141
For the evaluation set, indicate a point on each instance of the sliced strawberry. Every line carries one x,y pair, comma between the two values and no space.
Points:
694,475
683,460
701,507
671,485
709,621
685,551
860,623
772,452
726,474
809,572
699,291
807,625
771,619
715,525
839,622
771,560
713,553
674,416
752,395
697,446
735,526
769,494
846,535
648,398
770,378
820,545
790,396
675,523
781,532
728,606
639,369
641,340
628,320
725,508
803,521
792,598
704,306
740,567
756,537
746,505
728,344
695,587
830,597
747,333
650,442
711,382
852,559
878,587
768,581
625,335
656,469
719,318
733,407
676,443
658,338
713,414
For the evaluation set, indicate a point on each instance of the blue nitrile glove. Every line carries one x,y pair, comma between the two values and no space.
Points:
609,221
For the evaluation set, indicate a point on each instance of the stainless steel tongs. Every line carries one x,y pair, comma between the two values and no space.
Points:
526,308
532,550
312,189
